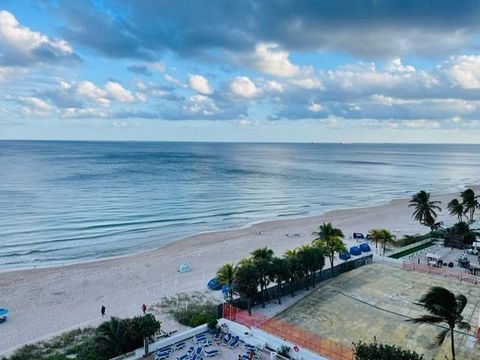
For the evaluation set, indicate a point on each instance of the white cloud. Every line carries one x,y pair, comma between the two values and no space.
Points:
315,107
7,72
273,86
200,84
244,87
310,83
84,113
175,81
270,59
20,44
464,71
118,92
89,91
200,104
33,106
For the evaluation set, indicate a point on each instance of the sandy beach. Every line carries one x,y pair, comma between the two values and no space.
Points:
47,301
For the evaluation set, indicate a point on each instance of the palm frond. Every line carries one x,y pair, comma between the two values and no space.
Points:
442,335
427,319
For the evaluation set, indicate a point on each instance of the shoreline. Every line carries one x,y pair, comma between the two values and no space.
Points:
476,188
47,300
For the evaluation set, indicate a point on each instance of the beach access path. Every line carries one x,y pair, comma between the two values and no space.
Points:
47,301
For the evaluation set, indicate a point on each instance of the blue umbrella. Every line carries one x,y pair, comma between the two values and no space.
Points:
355,251
3,314
214,285
364,247
345,255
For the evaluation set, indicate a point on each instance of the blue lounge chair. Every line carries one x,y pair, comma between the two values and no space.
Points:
159,355
179,346
183,357
365,247
226,339
211,353
190,350
234,343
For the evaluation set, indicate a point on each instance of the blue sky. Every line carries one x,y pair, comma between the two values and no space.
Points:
292,71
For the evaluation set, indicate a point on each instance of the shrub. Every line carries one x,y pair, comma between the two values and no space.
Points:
374,350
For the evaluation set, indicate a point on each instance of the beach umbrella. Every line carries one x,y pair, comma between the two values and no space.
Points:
364,247
214,285
3,314
345,255
355,251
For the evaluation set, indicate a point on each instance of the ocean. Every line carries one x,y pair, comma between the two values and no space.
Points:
63,202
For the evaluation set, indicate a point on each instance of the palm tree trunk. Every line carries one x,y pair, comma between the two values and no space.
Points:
293,288
452,335
249,306
313,279
262,293
279,292
331,264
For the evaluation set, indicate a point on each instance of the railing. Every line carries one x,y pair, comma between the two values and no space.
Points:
452,274
284,330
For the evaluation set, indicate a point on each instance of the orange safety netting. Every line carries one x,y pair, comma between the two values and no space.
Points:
452,274
289,332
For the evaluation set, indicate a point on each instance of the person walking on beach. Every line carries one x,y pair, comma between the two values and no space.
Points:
144,309
102,311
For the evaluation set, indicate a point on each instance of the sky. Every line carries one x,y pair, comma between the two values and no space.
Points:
273,70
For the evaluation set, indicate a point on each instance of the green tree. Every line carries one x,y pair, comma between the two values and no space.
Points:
113,338
425,209
295,269
246,283
374,350
470,203
325,231
444,307
262,258
280,273
226,276
455,208
383,237
331,246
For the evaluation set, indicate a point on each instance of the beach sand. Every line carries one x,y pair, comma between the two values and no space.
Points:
47,301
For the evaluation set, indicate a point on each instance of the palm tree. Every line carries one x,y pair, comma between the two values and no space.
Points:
330,246
444,307
425,209
387,239
375,236
304,257
114,337
470,203
280,273
382,236
262,258
295,270
327,230
246,283
226,276
455,208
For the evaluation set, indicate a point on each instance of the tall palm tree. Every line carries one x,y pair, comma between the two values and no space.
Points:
425,209
331,246
262,258
325,231
470,203
246,283
387,239
444,307
295,270
455,208
375,236
280,273
226,276
304,256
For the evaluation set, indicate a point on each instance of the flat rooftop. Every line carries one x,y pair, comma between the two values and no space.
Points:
374,301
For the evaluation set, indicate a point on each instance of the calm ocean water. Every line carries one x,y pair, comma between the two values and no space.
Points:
74,201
